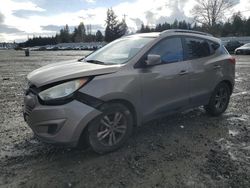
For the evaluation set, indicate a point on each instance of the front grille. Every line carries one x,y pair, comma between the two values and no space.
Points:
27,113
27,119
29,104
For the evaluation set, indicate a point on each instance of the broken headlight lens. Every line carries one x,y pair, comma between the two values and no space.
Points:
62,90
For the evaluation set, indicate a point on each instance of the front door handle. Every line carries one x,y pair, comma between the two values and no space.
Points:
183,72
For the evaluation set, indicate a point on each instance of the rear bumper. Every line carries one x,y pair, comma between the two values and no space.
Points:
62,124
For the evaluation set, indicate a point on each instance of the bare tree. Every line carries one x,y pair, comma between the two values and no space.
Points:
210,12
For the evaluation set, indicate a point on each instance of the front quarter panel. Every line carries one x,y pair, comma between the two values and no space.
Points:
122,85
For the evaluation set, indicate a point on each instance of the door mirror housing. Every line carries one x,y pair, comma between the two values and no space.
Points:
153,59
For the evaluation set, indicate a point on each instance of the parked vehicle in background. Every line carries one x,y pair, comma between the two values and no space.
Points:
130,81
243,50
232,45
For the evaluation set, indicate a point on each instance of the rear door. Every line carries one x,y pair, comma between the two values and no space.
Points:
204,68
165,86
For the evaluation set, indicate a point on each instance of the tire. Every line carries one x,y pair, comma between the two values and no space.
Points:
111,129
219,100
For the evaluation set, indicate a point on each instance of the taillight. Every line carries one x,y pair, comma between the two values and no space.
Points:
232,60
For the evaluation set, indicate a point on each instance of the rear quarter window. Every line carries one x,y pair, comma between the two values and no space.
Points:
213,47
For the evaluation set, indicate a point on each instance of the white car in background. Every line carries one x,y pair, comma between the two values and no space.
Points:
243,50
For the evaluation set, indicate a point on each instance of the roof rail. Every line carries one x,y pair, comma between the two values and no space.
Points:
185,31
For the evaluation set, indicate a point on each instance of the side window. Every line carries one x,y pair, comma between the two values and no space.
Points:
169,49
196,48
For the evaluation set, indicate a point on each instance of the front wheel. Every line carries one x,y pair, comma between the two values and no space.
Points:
219,100
111,129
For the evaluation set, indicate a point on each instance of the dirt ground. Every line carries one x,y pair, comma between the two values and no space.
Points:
190,149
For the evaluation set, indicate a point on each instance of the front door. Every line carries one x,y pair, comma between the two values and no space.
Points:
165,86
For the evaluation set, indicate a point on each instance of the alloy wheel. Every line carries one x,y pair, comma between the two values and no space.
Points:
112,128
221,98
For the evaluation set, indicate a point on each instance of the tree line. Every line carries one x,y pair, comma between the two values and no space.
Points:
237,25
114,29
165,26
208,17
79,34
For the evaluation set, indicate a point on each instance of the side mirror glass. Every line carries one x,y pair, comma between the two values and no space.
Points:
153,59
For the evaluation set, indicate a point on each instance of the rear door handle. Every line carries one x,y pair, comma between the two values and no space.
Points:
217,66
183,72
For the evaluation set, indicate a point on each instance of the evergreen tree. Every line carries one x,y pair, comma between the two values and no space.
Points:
158,28
65,34
147,29
226,29
142,30
111,22
58,38
183,25
99,36
166,26
237,24
114,28
90,38
122,28
247,27
81,32
175,25
74,35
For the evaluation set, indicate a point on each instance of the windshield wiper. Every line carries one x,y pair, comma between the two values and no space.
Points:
96,62
81,59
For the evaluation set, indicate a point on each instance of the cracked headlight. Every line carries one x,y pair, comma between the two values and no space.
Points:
62,90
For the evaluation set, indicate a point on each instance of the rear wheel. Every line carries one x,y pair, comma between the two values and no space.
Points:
111,129
219,100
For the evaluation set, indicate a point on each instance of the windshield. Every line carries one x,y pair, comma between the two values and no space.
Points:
120,51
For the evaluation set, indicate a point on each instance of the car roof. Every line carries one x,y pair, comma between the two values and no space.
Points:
172,32
152,34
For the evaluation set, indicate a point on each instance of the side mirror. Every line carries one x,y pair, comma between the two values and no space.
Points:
153,59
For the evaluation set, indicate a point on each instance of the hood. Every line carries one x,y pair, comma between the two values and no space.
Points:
68,70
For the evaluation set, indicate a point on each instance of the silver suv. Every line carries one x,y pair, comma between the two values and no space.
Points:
137,78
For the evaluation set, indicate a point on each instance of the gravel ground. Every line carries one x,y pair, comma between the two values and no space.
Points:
190,149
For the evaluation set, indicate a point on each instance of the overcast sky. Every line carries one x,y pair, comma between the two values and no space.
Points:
22,18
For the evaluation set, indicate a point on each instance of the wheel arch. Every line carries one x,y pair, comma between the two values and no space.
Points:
83,141
230,85
129,105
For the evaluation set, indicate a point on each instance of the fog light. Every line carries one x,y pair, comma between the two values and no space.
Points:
52,129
